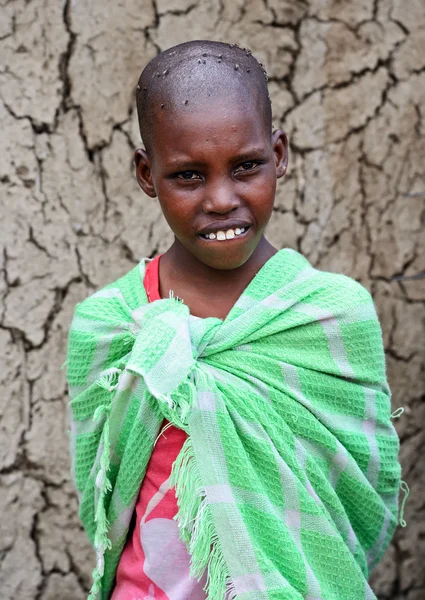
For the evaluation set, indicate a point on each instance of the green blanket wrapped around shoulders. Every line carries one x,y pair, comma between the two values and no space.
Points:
288,482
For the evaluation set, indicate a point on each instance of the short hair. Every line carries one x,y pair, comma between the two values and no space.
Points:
198,71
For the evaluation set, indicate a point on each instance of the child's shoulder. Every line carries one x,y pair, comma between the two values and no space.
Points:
347,299
336,287
346,287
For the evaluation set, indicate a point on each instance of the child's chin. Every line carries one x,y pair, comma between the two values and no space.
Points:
225,260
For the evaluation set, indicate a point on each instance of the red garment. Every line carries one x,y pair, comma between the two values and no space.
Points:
154,564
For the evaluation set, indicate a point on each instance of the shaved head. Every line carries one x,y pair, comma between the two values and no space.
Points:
191,76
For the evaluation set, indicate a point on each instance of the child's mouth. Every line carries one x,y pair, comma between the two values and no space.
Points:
224,235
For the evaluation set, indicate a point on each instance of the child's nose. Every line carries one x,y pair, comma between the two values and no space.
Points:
220,198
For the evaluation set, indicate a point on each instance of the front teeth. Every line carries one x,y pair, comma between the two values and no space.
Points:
225,235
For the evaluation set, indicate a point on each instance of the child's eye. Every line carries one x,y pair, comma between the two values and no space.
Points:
248,165
188,175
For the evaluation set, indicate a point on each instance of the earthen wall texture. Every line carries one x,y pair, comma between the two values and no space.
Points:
347,80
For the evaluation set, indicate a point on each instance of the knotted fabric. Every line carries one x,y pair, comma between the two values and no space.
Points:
287,485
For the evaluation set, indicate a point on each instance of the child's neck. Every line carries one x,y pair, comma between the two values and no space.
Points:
206,291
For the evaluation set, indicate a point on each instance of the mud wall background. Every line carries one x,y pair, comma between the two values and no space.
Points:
347,79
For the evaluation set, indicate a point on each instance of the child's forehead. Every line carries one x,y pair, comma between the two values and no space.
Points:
207,111
220,97
224,131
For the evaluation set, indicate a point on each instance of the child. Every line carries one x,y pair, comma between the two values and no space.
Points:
229,402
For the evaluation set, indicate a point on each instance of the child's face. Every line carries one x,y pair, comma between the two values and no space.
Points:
214,171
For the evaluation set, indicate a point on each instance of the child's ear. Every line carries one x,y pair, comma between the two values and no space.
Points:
144,172
280,148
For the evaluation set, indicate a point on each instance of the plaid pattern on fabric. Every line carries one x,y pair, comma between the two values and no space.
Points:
288,482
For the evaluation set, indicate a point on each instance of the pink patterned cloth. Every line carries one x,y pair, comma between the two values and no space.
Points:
154,564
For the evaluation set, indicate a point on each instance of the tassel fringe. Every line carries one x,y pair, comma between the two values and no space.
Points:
197,528
404,488
179,404
172,296
397,413
101,540
109,380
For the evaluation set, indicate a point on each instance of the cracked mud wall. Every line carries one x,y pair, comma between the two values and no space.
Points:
347,80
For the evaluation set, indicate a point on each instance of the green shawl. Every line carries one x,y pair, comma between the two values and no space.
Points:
288,483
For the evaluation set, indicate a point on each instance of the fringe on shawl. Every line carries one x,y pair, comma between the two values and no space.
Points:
103,484
197,529
194,517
